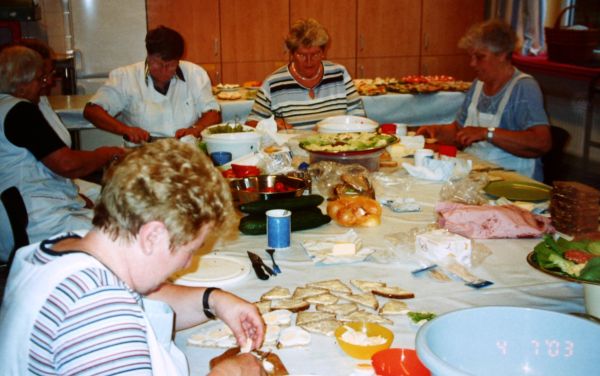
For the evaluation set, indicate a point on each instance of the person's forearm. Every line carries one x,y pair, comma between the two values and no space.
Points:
185,301
103,120
530,143
79,163
208,118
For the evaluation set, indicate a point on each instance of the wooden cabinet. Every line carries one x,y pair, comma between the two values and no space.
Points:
195,20
444,23
253,38
237,40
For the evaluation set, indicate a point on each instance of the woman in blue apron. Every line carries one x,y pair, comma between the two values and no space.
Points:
99,304
502,119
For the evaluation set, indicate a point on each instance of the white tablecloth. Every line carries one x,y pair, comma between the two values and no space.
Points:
419,109
515,282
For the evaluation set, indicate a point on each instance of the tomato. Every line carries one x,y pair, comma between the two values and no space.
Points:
578,256
388,128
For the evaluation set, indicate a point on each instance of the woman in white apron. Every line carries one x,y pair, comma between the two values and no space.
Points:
502,119
73,305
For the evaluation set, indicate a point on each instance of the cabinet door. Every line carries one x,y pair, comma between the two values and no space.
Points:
446,21
389,28
456,66
338,17
387,66
198,23
253,37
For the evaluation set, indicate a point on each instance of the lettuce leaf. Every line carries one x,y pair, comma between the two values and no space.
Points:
591,272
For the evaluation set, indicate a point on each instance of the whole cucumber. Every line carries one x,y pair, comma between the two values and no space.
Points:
256,224
295,203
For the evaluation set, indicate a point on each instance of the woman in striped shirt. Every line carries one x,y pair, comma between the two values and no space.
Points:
99,304
308,89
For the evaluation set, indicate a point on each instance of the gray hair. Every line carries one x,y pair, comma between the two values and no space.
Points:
495,35
18,65
306,33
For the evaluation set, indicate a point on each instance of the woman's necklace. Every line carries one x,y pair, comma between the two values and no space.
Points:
311,89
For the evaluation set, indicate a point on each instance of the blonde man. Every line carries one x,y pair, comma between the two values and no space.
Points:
99,303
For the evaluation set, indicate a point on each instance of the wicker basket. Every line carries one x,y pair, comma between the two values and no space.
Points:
571,46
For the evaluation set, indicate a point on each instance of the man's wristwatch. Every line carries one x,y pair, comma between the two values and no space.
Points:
490,134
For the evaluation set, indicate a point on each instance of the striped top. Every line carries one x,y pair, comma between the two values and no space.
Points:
92,323
281,95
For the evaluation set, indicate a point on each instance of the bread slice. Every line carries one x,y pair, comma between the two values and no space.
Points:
366,299
294,305
306,317
393,292
366,286
303,292
394,307
326,298
277,293
331,285
338,309
365,316
293,336
326,327
263,306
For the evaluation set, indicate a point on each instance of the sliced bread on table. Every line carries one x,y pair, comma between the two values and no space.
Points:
305,317
393,292
366,299
263,306
293,305
326,298
365,316
394,307
338,309
366,286
303,292
326,327
276,293
293,336
331,285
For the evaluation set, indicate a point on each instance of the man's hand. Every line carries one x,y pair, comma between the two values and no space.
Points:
194,131
239,365
136,135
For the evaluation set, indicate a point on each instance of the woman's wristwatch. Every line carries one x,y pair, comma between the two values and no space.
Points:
490,134
205,306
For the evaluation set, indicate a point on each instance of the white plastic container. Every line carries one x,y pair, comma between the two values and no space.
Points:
238,144
346,123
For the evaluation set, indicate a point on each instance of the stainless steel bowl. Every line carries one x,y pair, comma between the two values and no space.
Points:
256,188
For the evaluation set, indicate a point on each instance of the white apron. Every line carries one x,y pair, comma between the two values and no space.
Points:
166,358
486,150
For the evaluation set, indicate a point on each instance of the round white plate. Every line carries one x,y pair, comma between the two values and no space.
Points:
214,270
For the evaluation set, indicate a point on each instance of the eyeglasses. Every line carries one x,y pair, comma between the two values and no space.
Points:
305,57
158,63
45,78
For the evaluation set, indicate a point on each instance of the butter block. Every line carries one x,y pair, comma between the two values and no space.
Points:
438,244
343,249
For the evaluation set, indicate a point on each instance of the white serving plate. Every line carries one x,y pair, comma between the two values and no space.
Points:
214,270
346,123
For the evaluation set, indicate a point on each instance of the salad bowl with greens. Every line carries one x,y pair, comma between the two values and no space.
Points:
577,261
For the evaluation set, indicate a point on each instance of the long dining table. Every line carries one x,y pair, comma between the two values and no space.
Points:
414,109
501,261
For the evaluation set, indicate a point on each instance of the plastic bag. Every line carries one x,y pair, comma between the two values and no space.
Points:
468,190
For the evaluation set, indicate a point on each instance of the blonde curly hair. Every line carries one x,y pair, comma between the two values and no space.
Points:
306,33
167,181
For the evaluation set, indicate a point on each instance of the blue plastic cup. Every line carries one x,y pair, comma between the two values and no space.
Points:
279,227
219,158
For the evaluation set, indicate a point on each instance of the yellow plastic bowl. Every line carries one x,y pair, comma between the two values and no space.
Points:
371,330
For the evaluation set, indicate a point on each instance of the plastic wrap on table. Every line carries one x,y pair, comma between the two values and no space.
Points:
332,178
468,190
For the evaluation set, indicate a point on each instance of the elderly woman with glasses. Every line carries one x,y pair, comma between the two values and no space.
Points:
160,97
502,119
309,88
33,156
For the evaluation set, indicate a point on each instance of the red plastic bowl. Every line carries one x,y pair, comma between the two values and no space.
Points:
243,171
398,362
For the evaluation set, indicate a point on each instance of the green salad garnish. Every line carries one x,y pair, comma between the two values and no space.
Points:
226,128
576,259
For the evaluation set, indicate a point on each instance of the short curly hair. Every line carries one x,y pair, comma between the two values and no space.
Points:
495,35
167,181
306,33
18,65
